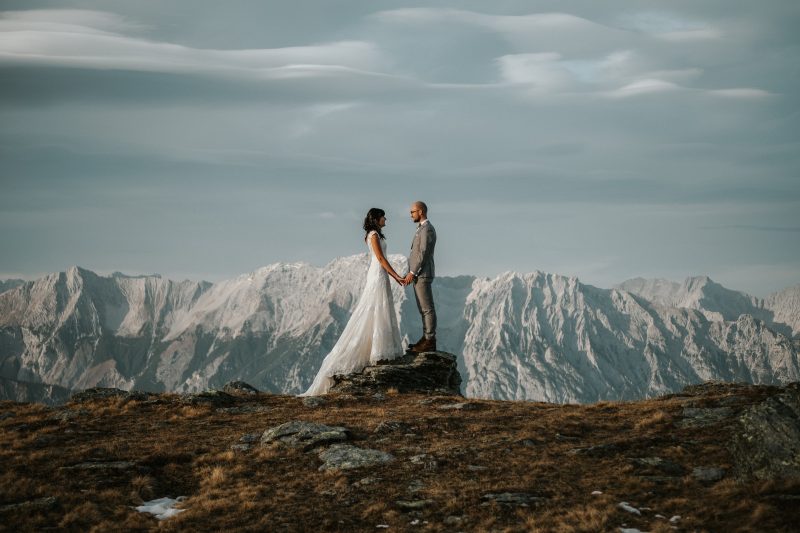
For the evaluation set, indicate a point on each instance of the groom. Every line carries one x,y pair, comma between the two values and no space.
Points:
421,273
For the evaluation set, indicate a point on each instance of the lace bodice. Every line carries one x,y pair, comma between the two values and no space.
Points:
373,258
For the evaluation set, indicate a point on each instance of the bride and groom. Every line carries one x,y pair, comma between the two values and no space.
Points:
372,333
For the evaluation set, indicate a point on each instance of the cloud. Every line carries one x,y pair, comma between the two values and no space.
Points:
533,32
307,124
746,93
703,34
551,55
67,21
670,27
541,71
94,40
646,86
558,53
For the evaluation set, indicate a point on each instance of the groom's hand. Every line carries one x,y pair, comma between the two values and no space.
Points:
408,279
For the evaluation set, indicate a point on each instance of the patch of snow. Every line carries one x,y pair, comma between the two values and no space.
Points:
625,506
675,519
597,492
162,508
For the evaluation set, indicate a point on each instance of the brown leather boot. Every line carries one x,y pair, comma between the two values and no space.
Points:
411,346
425,345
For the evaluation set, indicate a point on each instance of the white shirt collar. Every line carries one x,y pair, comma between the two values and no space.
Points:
423,222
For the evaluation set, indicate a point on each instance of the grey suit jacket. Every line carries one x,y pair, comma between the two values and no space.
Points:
421,260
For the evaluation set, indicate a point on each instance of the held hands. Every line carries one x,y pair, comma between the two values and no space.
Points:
406,280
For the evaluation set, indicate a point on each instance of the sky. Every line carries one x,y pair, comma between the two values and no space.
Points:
203,139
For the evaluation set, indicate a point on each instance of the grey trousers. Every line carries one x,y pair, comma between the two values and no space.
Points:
424,296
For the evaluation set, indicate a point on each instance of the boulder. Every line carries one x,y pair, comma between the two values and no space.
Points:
239,387
348,457
314,401
413,372
303,435
513,498
216,398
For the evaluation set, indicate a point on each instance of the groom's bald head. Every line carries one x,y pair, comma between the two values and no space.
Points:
419,211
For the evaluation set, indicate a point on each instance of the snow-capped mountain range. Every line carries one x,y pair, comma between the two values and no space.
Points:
534,336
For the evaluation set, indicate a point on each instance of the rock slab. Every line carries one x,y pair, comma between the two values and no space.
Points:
303,435
413,372
348,457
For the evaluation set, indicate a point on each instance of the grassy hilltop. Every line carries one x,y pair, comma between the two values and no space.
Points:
665,464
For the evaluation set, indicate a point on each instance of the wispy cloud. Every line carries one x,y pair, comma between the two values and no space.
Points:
68,21
99,40
669,26
746,93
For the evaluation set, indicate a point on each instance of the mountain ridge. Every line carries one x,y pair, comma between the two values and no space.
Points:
536,336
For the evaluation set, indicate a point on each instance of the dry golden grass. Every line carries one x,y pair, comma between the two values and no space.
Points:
655,419
212,476
515,447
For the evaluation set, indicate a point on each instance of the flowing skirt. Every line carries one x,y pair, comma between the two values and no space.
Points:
371,334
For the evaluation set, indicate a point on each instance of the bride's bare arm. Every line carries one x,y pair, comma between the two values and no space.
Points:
376,248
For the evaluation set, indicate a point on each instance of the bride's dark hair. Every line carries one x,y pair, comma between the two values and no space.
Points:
371,221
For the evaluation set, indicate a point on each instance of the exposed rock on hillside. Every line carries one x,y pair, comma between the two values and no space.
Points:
769,444
101,393
239,387
304,435
424,372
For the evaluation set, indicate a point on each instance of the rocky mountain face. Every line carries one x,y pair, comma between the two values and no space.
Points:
532,336
22,391
7,285
780,310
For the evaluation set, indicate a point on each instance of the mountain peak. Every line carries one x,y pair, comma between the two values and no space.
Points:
121,275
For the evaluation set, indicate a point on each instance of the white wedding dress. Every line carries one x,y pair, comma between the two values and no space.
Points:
371,334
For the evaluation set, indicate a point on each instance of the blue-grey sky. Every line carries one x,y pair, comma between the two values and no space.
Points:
205,139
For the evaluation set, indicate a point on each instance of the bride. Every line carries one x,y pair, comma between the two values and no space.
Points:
372,333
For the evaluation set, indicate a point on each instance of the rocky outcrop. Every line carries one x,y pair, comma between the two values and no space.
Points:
348,457
423,372
102,393
768,445
303,435
239,387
